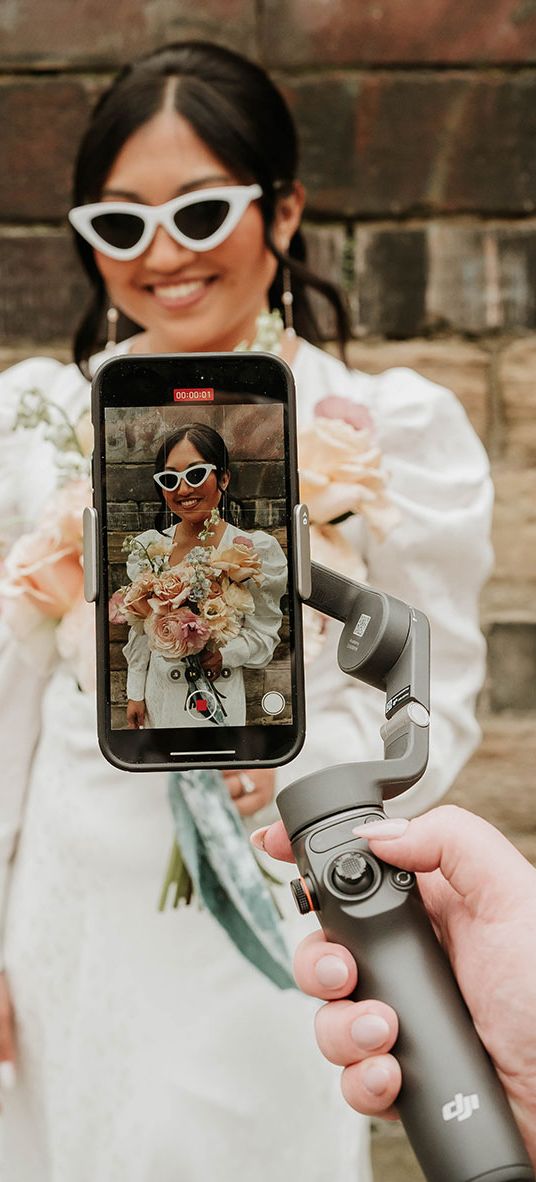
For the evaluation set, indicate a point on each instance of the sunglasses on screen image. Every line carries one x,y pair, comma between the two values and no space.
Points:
194,476
199,221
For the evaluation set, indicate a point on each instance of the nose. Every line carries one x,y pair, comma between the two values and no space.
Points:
164,254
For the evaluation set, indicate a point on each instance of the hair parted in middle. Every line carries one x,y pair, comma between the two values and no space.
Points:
210,446
234,107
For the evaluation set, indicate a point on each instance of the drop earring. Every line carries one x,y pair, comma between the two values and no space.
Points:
287,299
112,317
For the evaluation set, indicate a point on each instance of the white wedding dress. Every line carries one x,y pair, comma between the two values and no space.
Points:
149,1050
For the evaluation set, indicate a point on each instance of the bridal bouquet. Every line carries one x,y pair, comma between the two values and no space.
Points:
341,476
41,583
198,604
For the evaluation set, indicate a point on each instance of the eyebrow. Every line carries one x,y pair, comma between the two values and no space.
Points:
190,187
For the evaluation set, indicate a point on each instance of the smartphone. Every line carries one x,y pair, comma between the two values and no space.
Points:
194,552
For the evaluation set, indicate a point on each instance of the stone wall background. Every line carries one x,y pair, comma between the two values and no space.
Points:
418,126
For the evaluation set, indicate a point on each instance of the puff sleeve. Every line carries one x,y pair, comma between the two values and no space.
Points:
136,651
436,559
259,636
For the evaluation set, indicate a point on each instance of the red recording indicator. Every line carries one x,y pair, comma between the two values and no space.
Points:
199,395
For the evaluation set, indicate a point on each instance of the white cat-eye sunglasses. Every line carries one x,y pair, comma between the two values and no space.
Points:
194,475
198,221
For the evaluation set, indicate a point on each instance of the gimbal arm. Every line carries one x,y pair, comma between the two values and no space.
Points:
386,644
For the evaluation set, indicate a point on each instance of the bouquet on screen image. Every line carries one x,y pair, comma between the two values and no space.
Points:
194,607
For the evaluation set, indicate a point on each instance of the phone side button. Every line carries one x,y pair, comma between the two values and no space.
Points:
303,551
90,551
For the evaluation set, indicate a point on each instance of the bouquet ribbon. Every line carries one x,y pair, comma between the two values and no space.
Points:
225,873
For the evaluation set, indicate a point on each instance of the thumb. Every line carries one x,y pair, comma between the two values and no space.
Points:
479,862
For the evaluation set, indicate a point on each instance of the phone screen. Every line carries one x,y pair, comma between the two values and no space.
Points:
199,627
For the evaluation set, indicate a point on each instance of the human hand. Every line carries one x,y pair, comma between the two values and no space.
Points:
251,790
480,894
135,714
211,662
7,1038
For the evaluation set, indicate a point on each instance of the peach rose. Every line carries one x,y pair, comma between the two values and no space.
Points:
239,598
169,591
159,548
176,634
136,598
341,472
239,561
63,514
40,574
223,622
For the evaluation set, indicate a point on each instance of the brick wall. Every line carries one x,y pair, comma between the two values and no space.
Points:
418,126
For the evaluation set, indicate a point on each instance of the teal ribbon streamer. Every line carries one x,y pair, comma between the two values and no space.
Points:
225,872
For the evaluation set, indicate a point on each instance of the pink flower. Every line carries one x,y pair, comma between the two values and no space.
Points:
41,572
354,413
116,607
176,633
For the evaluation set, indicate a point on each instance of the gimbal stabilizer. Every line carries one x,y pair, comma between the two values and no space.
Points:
451,1103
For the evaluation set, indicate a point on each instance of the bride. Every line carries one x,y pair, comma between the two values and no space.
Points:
147,1048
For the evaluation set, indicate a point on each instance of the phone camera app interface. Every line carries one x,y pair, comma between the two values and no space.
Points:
196,510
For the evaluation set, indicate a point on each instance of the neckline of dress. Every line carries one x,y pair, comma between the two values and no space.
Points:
170,529
123,349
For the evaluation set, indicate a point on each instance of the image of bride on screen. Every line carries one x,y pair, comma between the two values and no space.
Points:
204,597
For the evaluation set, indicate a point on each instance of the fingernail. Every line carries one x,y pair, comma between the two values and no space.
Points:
369,1031
257,837
376,1079
7,1075
331,972
392,827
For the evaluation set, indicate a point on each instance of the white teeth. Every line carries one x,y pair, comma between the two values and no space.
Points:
178,291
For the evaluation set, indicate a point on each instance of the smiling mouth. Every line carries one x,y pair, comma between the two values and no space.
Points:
189,502
171,292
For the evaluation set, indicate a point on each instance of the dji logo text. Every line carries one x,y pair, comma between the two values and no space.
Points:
461,1107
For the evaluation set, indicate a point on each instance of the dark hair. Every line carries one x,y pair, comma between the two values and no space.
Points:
238,112
209,444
